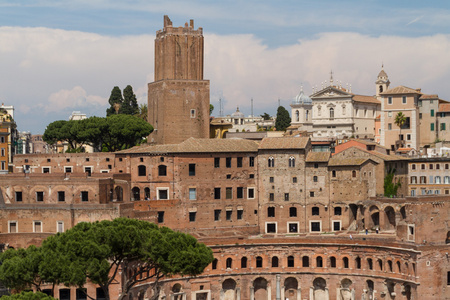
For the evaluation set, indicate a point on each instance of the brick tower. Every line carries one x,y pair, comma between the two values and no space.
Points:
178,99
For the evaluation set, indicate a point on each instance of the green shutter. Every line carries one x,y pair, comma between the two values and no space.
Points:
432,126
432,112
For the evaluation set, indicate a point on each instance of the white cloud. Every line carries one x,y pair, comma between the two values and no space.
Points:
57,71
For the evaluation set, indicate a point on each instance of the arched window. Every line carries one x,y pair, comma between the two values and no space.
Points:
423,179
136,193
274,262
331,113
413,179
399,268
259,262
315,211
333,262
290,261
292,211
319,262
162,170
307,115
229,263
297,116
147,193
390,265
353,173
358,262
142,170
345,261
446,179
244,262
370,264
271,162
413,166
305,261
315,178
437,179
291,162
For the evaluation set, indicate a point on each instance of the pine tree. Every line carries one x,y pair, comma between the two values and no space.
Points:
130,105
283,119
115,99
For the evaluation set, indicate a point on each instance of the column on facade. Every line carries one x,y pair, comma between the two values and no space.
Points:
299,293
269,292
382,219
278,291
238,293
252,293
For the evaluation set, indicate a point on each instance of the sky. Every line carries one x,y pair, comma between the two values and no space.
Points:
57,57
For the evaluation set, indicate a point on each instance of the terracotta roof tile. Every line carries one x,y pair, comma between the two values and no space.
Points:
318,156
429,97
366,99
444,107
193,145
401,90
336,162
284,143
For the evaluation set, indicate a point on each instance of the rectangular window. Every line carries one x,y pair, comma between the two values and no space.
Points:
45,170
3,165
442,126
315,226
250,193
192,216
229,193
239,162
84,196
191,169
192,194
413,193
228,214
420,115
432,112
404,100
408,137
39,196
216,193
68,169
389,114
271,227
271,179
311,194
64,294
81,294
240,214
432,126
271,197
217,214
389,126
37,226
294,179
286,196
216,162
251,161
60,226
228,162
336,225
61,196
389,100
18,196
2,139
240,193
162,193
88,170
12,227
192,113
271,212
293,227
160,217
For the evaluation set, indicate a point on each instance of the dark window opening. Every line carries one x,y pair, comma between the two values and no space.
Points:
244,262
229,263
333,262
61,196
239,162
319,262
217,214
214,264
240,193
294,179
251,161
293,227
216,193
39,196
228,162
64,294
271,197
345,261
286,196
228,215
160,217
240,213
192,216
271,228
305,261
18,196
337,211
162,170
315,211
271,212
229,192
216,162
274,262
142,170
259,262
84,196
315,226
292,211
191,169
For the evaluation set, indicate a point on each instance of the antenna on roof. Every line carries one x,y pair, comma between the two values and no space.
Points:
220,108
252,107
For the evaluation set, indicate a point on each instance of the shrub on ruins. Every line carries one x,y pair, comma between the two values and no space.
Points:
113,133
96,252
391,187
28,296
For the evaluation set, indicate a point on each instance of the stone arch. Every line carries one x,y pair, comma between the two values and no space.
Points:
370,288
290,288
118,193
229,289
260,288
390,218
374,220
177,292
297,116
136,193
320,290
345,292
403,212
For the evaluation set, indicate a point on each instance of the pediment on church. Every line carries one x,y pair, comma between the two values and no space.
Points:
331,92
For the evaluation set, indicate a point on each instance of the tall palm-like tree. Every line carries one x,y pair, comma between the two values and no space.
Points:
400,120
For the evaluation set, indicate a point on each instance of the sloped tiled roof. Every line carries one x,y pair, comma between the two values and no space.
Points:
382,156
336,162
318,156
444,107
193,145
401,90
284,143
429,97
366,99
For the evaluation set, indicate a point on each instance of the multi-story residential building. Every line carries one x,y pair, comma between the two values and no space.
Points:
429,176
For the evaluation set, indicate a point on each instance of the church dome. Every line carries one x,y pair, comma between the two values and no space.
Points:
301,98
237,114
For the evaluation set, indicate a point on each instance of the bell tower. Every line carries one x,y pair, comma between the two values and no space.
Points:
178,99
382,83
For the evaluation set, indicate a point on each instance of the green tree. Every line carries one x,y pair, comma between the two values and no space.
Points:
211,108
400,120
391,187
265,116
143,112
283,120
28,296
129,105
96,252
125,131
115,99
